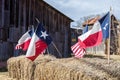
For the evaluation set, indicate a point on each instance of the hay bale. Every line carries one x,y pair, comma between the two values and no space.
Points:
45,71
71,69
42,58
20,68
40,70
47,67
13,65
55,71
27,69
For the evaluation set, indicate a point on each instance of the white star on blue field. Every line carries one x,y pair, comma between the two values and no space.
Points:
75,9
44,34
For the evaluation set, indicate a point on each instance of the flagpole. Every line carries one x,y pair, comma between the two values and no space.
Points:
57,49
109,37
37,20
48,51
33,28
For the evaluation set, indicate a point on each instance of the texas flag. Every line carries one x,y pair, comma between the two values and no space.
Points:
24,41
89,39
105,21
93,37
39,42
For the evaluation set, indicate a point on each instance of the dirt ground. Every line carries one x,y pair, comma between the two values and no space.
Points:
4,76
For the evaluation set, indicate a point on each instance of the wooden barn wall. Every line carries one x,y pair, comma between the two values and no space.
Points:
118,31
114,37
16,16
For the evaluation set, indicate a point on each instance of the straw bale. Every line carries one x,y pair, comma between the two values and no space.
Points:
47,67
13,66
74,69
45,71
27,69
40,63
20,68
43,59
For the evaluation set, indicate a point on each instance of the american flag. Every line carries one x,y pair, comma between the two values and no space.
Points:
78,51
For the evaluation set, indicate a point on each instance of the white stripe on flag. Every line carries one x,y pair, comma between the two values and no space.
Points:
81,54
77,50
73,47
31,49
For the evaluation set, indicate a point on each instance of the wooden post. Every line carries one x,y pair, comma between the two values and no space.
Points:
108,50
37,20
109,37
48,51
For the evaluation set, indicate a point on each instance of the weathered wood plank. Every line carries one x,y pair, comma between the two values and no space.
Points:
14,34
6,50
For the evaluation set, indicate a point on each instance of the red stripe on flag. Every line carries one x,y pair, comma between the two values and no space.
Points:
81,54
78,51
40,47
24,46
93,39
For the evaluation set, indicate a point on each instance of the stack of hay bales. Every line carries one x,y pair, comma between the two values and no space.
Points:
47,67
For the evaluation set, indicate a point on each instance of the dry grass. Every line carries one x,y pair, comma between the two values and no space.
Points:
4,76
115,57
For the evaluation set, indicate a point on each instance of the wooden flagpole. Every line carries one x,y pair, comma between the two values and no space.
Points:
48,51
33,28
37,20
109,37
57,49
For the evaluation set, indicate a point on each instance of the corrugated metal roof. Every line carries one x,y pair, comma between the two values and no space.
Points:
91,21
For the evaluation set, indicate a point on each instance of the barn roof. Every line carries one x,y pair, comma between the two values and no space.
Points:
58,11
91,21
